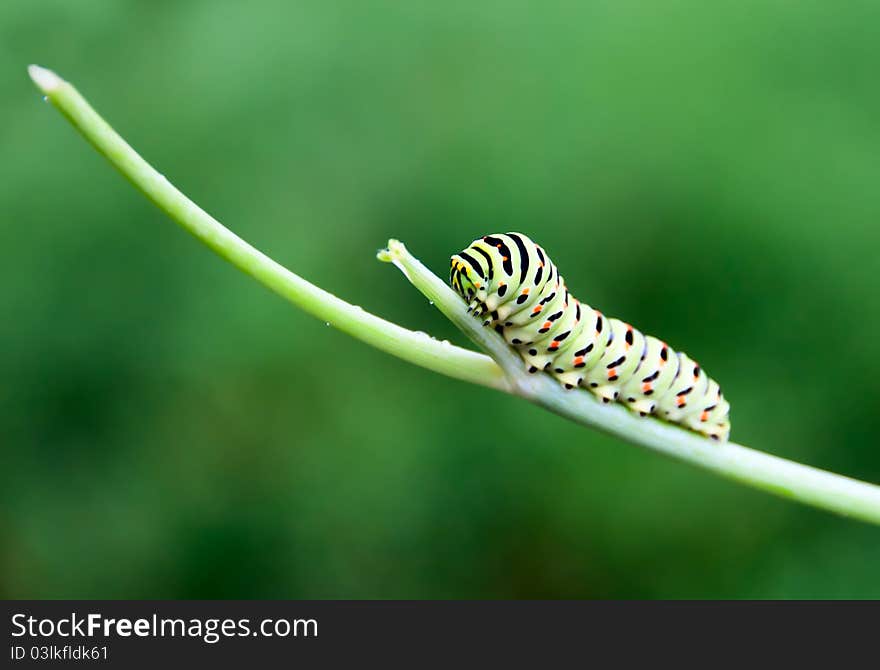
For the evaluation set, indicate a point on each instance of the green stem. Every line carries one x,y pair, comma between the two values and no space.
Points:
779,476
414,347
506,372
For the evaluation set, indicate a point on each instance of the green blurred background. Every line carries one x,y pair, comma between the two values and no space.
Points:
170,428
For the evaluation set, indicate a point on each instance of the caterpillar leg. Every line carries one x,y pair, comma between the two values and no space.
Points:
711,416
569,380
643,406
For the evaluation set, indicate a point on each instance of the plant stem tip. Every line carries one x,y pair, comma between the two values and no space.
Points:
46,80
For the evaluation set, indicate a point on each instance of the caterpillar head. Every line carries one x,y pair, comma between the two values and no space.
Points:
466,280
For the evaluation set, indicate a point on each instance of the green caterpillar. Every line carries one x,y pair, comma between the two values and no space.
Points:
510,280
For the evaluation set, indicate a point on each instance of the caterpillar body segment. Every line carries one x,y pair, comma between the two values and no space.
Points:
510,282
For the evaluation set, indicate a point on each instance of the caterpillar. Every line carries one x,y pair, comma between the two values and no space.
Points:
511,282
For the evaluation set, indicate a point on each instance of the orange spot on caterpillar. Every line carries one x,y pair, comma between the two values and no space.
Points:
578,360
612,373
646,387
680,401
537,309
554,344
525,291
546,324
504,258
704,416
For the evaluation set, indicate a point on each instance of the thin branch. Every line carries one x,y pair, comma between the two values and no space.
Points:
452,307
414,347
506,372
